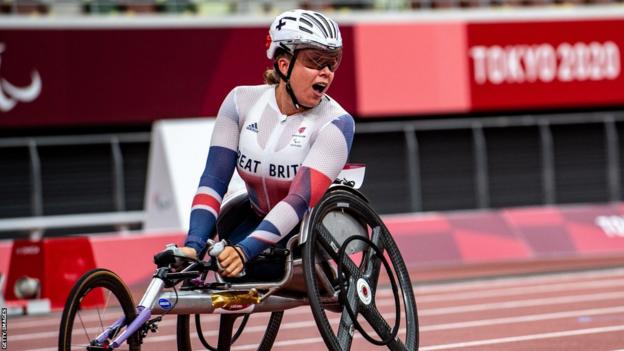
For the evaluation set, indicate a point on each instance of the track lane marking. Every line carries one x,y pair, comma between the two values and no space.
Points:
439,310
485,285
523,303
521,291
530,337
523,319
435,327
513,281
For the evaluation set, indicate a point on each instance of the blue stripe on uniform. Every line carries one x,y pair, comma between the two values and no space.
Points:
217,174
219,169
252,246
347,127
201,225
268,227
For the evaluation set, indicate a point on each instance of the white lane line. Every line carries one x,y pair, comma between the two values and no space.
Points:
428,328
423,312
523,319
567,333
504,292
514,281
285,343
530,337
522,303
489,287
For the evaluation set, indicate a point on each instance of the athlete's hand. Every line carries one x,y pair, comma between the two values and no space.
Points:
174,256
231,261
188,252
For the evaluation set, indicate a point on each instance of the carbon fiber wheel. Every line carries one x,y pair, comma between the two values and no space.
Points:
346,236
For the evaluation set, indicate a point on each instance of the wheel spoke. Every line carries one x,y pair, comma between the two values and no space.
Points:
84,328
373,263
345,328
332,247
381,327
108,295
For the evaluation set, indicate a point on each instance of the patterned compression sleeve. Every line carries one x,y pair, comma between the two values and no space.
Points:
216,176
325,160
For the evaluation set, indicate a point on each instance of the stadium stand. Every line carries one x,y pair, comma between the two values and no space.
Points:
217,7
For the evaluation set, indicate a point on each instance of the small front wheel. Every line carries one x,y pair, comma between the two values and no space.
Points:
98,309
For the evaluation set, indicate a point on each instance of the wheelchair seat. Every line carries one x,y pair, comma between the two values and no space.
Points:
267,267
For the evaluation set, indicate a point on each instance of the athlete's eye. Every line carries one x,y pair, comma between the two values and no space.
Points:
319,59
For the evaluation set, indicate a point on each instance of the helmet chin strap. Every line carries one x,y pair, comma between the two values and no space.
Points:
286,79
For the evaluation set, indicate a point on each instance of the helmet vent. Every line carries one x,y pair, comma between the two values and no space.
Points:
305,29
318,24
305,21
326,23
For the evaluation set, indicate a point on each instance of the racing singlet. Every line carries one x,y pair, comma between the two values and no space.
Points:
286,162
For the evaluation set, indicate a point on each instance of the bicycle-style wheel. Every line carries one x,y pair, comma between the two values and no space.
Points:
208,329
97,302
354,270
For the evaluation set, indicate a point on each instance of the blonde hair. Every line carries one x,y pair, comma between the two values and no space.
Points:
271,77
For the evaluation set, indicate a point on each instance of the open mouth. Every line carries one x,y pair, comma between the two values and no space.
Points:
319,87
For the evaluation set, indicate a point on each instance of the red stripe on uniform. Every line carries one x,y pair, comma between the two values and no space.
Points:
204,199
319,183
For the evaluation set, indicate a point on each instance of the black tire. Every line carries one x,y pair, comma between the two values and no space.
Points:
184,335
358,293
97,284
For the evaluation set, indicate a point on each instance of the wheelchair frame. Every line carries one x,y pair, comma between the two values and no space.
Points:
196,296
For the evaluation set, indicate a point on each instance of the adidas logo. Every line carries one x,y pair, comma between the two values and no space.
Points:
253,127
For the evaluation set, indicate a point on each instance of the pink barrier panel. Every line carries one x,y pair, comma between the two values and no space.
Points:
5,256
407,68
426,239
512,234
131,256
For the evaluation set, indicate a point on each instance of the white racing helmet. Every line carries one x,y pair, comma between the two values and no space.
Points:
298,29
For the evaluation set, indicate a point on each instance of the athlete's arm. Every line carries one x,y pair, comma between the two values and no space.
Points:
321,166
216,176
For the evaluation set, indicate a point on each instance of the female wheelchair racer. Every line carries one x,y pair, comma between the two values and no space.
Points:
339,264
269,133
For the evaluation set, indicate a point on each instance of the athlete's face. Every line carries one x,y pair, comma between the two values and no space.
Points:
312,75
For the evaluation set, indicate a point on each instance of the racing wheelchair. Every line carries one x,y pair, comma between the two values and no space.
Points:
342,262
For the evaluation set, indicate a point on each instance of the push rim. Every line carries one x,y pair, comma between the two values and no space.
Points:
320,245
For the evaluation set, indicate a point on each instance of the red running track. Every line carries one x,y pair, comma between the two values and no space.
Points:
573,310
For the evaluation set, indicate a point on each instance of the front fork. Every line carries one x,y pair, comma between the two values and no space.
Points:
144,313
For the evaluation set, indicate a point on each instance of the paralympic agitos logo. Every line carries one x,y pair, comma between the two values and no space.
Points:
10,94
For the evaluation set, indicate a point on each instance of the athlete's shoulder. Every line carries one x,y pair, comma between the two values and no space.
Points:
247,96
243,90
330,110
